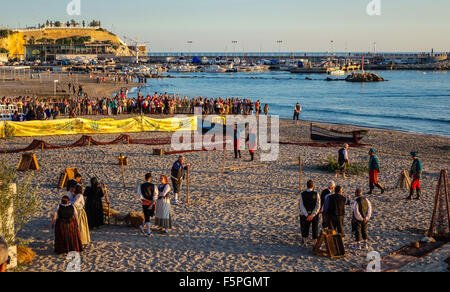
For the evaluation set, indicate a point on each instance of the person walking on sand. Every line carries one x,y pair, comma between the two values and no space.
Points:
416,176
343,161
374,170
147,194
309,213
297,111
163,208
178,173
362,212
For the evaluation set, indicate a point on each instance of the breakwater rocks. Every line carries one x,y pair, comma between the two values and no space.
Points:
364,77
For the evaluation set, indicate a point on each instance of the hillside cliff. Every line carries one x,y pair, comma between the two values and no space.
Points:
14,41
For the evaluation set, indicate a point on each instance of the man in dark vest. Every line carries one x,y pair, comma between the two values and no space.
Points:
324,198
343,161
416,175
362,212
309,213
147,193
334,209
178,173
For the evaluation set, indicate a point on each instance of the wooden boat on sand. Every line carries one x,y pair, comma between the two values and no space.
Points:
322,134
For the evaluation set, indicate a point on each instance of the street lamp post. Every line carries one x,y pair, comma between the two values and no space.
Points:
190,45
280,43
234,45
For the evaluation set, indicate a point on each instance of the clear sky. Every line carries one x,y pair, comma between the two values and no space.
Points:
212,25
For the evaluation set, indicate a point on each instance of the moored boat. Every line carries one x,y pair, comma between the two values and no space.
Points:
322,134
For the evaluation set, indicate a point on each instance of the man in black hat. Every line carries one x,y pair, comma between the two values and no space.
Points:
416,175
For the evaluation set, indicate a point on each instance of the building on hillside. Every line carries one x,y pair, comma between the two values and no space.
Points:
3,57
142,49
50,52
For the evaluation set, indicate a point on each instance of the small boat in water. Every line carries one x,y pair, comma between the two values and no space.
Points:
214,69
322,134
337,72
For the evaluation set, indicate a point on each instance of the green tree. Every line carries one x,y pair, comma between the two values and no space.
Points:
25,202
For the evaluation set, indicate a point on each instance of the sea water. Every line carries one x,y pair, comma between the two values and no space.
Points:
412,101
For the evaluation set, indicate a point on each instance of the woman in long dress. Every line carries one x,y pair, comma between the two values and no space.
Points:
67,234
94,206
78,202
163,217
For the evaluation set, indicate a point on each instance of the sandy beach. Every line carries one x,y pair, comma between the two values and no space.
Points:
44,87
246,220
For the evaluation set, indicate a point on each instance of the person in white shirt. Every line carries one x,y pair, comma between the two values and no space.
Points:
362,213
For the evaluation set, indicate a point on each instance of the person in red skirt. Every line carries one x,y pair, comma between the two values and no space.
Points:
416,175
67,235
374,169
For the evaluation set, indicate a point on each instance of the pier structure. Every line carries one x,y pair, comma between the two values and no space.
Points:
370,58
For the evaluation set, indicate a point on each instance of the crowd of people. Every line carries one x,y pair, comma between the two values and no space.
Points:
81,104
331,203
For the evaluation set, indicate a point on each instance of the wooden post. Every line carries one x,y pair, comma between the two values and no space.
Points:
442,180
187,185
223,162
123,169
42,145
89,142
446,196
300,173
108,203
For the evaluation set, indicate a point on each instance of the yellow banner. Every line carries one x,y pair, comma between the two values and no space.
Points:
2,129
85,126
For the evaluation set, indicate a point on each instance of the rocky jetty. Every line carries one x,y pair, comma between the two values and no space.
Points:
364,77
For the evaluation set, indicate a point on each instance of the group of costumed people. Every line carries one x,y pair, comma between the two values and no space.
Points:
78,213
415,173
156,201
374,171
82,211
332,202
